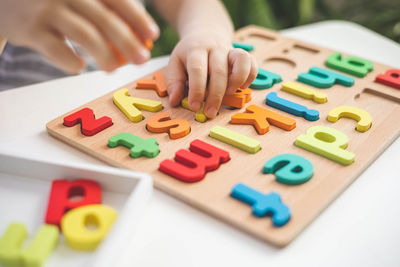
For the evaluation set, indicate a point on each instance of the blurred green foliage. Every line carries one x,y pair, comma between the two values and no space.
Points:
382,16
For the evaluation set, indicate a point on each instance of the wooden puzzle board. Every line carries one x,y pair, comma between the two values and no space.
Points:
288,58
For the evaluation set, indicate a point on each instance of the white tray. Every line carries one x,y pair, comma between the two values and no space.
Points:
24,191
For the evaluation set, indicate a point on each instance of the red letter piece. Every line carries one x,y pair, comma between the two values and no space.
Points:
158,83
390,78
89,125
191,166
63,190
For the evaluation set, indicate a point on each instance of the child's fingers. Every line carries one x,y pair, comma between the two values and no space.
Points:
218,69
253,73
137,17
84,33
57,51
240,62
196,64
176,79
116,31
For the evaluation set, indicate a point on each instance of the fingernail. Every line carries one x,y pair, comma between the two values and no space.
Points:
195,105
142,56
155,31
212,112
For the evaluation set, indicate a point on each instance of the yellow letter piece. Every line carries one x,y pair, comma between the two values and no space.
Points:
360,115
75,225
131,106
10,244
327,142
200,116
235,139
304,92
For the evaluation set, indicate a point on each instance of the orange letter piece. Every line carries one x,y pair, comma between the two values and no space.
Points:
260,118
162,123
237,99
158,83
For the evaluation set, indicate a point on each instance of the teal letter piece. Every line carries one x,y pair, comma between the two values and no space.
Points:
263,205
323,78
247,47
289,169
265,79
138,146
352,65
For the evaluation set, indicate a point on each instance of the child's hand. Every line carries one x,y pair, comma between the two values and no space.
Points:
97,26
208,61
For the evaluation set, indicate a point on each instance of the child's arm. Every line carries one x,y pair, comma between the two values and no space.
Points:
204,52
100,27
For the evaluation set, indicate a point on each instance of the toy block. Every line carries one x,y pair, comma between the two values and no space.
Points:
10,244
138,146
200,116
41,247
61,192
260,118
158,83
237,99
89,125
289,169
265,80
131,106
363,118
162,123
352,65
290,107
390,78
75,226
304,92
35,255
235,139
263,205
246,47
191,166
326,142
323,78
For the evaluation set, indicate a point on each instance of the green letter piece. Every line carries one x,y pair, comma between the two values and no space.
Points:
138,146
247,47
289,169
265,79
352,65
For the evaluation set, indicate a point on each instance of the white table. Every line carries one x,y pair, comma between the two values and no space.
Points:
361,228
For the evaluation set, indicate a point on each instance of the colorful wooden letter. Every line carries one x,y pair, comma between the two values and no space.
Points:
247,47
352,65
273,100
162,123
235,139
304,92
200,116
41,247
191,166
63,190
265,79
131,106
326,142
11,253
158,83
290,169
323,78
89,125
390,78
262,204
363,117
138,146
260,118
237,99
75,225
